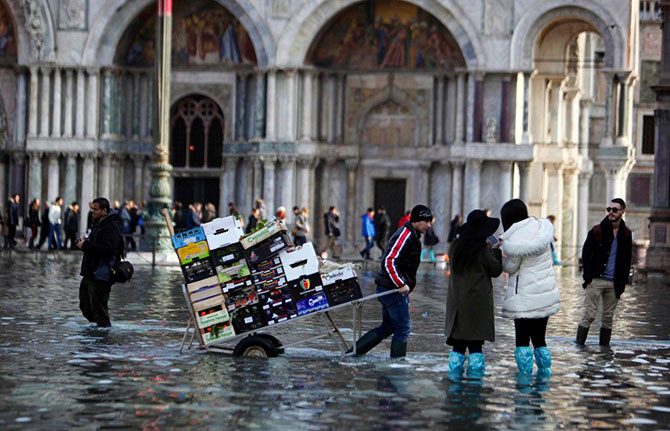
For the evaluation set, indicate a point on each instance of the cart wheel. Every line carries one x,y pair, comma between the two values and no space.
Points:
275,342
256,346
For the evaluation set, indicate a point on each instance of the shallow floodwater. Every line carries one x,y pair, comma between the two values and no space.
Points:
60,373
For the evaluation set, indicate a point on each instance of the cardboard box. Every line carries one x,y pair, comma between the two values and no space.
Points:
267,249
247,319
224,231
211,312
182,239
305,286
271,228
206,282
206,292
266,265
198,270
271,284
312,303
269,274
343,291
242,297
275,297
340,274
274,314
299,262
217,332
236,284
192,252
237,270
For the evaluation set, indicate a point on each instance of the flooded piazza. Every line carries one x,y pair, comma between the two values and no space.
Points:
60,373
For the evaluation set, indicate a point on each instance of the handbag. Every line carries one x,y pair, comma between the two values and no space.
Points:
122,272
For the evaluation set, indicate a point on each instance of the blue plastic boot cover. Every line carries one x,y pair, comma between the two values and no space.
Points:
543,359
456,361
476,365
524,359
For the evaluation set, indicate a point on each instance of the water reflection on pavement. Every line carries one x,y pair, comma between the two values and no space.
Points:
60,373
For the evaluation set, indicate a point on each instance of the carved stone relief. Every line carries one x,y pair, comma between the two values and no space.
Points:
73,15
498,16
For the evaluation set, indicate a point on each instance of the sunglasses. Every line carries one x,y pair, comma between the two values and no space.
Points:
612,210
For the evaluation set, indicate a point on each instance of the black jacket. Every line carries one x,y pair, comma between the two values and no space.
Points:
382,226
596,251
103,243
34,216
13,214
331,224
401,259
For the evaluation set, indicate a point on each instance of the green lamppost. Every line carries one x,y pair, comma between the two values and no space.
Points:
160,168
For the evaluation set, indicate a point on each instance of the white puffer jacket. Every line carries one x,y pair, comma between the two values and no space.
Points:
531,292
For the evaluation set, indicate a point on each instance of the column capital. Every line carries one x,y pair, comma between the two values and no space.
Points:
524,166
268,161
35,155
553,167
286,160
71,157
92,70
351,164
455,164
18,157
306,162
505,164
474,163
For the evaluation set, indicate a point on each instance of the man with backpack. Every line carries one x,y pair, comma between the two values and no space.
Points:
606,259
102,250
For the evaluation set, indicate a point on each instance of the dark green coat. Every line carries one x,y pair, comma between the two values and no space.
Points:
470,298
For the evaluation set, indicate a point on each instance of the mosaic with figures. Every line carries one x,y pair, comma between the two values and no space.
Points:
7,36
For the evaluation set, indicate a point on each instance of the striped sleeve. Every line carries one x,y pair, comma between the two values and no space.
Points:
390,261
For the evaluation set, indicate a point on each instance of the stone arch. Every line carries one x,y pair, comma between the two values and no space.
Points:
393,95
35,42
543,13
105,33
305,26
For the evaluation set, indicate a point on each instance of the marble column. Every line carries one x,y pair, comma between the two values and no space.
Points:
584,127
258,178
524,181
291,105
440,185
270,103
227,186
33,119
351,166
70,193
21,108
572,98
269,183
80,108
470,109
144,106
505,170
241,82
87,189
457,189
138,166
92,104
609,90
583,207
17,170
286,184
259,106
438,110
525,137
553,193
504,109
35,177
460,107
306,132
69,94
105,176
57,102
137,106
569,216
339,108
45,108
478,108
472,185
302,182
53,184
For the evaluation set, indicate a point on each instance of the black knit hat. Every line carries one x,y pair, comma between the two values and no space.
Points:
420,213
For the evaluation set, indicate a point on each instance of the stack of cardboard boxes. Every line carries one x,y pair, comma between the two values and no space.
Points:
239,283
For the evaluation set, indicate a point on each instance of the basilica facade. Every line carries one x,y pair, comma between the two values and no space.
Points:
458,104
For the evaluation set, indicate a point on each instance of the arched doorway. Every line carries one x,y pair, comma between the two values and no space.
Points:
196,145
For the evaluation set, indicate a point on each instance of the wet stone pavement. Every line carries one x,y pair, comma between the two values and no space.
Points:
60,373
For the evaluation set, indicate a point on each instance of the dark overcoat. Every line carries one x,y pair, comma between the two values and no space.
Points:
470,298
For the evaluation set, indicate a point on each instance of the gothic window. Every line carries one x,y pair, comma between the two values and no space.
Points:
389,124
196,133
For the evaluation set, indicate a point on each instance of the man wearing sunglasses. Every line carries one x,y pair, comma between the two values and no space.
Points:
606,259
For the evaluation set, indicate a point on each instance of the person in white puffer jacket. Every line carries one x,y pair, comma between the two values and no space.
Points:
532,294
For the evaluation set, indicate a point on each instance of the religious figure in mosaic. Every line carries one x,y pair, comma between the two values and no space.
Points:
7,40
388,35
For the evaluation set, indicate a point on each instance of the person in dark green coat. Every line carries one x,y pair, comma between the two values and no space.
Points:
474,261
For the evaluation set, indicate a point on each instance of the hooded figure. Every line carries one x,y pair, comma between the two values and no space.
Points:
532,294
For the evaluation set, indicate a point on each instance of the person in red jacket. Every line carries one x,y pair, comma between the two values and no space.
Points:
404,219
398,273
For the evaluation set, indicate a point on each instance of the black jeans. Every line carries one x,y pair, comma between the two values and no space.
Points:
459,346
530,329
93,299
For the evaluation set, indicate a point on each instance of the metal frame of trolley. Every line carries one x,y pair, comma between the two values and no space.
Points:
260,343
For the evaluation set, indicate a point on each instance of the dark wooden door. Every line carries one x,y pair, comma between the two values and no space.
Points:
190,190
390,193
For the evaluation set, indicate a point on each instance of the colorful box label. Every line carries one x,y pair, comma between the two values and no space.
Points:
311,304
340,274
182,239
272,227
218,332
194,251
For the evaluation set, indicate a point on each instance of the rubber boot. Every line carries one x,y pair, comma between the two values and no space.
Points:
398,349
476,365
524,359
366,343
582,333
456,362
605,335
543,360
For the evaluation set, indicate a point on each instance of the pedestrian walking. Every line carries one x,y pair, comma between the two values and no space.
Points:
469,319
178,217
554,256
404,219
260,205
55,235
454,227
254,218
301,228
46,226
398,274
126,219
367,232
606,259
102,249
382,228
71,225
430,240
331,227
13,213
134,223
532,294
34,221
209,213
